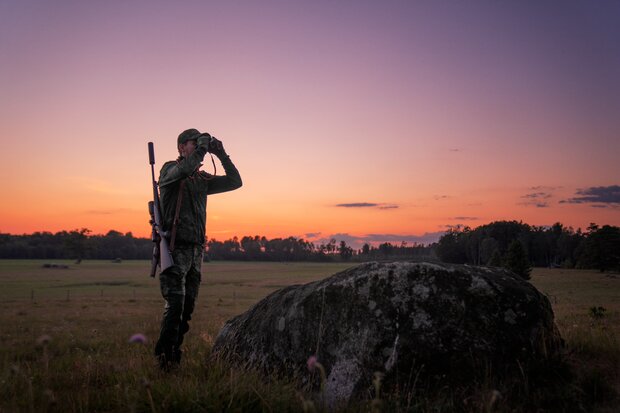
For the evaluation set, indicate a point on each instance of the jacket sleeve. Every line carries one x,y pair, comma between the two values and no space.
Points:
228,182
175,171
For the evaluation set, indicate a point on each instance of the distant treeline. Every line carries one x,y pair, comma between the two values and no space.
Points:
555,246
79,244
259,248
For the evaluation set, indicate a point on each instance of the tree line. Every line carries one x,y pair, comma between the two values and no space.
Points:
259,248
80,244
557,246
76,244
491,244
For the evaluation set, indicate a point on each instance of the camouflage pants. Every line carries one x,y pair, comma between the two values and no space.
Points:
179,286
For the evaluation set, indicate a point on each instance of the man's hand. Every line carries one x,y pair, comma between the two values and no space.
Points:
204,139
212,144
216,147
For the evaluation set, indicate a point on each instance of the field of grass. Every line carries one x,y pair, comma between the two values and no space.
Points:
64,341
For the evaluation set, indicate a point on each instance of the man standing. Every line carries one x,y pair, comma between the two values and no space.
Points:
183,192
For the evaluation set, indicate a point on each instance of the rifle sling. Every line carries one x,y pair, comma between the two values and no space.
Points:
176,215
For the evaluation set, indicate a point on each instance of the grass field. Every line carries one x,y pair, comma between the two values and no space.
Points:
64,340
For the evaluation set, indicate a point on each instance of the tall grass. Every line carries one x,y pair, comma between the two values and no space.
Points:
108,377
75,356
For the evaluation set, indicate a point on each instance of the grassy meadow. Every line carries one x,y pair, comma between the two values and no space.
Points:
64,343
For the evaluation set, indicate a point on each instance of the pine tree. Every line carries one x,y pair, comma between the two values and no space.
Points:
516,260
496,259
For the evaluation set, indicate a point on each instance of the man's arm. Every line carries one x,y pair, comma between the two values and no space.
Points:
175,171
228,182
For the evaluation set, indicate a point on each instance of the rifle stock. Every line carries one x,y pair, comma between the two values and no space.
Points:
161,248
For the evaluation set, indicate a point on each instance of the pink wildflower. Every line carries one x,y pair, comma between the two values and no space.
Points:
311,363
138,338
43,340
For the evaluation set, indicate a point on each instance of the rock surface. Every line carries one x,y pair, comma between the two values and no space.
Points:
392,317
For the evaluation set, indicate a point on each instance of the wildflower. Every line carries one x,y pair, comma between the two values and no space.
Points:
43,340
376,402
311,363
494,397
49,395
138,338
207,338
378,377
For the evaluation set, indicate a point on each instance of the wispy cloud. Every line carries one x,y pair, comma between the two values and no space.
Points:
537,195
97,185
367,205
544,188
537,199
356,241
109,211
456,227
311,234
598,195
427,237
358,205
438,197
465,218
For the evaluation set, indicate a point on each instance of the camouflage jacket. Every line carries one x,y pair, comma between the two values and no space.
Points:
198,184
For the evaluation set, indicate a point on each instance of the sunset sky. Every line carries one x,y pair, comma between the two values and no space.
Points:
372,120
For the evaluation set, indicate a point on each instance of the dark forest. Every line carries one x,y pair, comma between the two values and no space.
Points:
597,247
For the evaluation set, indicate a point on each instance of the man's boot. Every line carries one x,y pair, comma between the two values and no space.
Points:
165,356
176,356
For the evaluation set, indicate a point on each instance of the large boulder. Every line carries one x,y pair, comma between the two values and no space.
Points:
393,317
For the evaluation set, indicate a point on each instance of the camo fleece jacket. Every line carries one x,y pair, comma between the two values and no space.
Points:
198,184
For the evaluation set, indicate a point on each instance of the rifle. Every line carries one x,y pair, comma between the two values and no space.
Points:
161,249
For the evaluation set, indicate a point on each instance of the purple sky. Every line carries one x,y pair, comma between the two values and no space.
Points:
438,109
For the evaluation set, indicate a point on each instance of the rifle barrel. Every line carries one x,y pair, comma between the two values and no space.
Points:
161,250
151,154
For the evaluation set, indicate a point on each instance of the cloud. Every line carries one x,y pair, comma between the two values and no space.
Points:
537,195
596,195
537,199
438,197
358,205
311,234
544,188
109,211
427,237
465,218
356,241
99,186
367,205
455,149
456,227
535,203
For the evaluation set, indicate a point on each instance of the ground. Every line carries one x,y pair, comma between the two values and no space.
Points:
64,337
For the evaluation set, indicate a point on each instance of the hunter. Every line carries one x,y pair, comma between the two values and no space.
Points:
183,190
